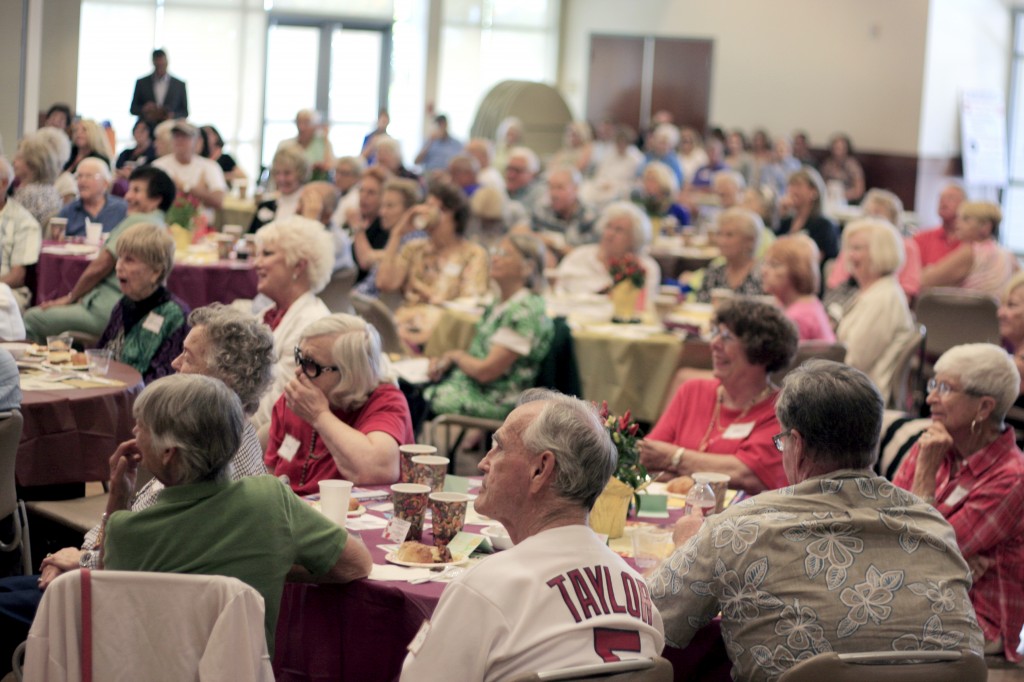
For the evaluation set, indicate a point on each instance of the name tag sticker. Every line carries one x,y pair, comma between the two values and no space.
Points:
452,269
421,636
958,494
465,543
289,446
738,430
153,323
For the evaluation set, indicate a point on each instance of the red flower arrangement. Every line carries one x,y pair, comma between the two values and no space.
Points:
626,435
628,268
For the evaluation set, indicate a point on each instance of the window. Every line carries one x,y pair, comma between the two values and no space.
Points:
1013,201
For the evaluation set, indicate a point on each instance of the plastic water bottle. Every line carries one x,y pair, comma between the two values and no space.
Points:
701,497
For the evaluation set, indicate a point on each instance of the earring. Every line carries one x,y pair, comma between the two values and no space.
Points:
974,423
295,277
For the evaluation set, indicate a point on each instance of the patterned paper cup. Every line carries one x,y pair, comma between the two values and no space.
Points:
405,455
449,514
718,482
429,470
410,500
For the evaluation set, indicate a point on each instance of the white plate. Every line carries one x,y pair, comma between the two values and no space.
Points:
661,488
45,364
392,558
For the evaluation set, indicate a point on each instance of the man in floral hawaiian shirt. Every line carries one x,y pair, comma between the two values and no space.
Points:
841,560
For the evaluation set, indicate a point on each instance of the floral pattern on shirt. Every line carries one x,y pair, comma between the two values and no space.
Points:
845,562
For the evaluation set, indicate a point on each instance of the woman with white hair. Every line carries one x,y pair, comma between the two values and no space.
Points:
968,466
94,203
661,146
879,314
290,170
339,416
881,203
37,163
737,237
623,229
294,260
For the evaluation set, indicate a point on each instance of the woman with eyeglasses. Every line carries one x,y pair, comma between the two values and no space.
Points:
968,466
339,416
511,340
294,260
725,424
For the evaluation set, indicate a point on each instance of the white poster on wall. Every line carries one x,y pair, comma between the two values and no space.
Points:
983,138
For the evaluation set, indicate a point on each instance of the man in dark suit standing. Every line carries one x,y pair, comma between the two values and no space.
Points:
159,95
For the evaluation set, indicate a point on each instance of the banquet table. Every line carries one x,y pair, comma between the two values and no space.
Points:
630,366
70,433
360,631
196,284
675,258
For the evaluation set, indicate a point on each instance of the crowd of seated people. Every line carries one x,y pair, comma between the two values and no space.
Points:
492,222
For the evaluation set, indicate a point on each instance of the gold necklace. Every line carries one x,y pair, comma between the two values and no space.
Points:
715,425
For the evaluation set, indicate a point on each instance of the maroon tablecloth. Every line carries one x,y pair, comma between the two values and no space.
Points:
197,285
69,435
360,631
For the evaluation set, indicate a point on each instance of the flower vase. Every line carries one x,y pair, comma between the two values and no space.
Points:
609,513
625,297
182,239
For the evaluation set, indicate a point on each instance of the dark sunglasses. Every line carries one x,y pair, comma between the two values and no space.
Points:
310,367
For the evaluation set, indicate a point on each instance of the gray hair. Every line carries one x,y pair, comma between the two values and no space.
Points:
585,456
733,176
669,132
292,155
151,244
532,250
241,352
749,223
665,178
44,152
838,412
302,239
638,220
102,167
574,175
206,435
390,143
885,244
312,114
984,369
355,349
356,163
527,155
888,202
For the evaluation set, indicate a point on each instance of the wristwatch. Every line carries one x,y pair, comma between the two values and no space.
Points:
85,559
677,457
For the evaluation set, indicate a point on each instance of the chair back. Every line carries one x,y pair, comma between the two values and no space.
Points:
558,369
906,376
890,666
378,314
642,670
10,436
336,294
956,316
217,628
807,350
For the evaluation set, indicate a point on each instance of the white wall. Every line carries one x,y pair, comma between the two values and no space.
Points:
825,66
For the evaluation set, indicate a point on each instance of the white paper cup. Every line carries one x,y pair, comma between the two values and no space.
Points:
93,232
334,497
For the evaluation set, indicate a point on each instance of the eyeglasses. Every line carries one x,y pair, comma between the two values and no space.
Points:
945,389
777,438
720,331
310,367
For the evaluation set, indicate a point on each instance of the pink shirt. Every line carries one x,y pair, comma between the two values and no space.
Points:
811,320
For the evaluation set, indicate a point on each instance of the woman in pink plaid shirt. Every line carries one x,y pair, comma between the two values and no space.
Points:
967,464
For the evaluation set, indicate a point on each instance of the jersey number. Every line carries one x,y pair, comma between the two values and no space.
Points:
608,640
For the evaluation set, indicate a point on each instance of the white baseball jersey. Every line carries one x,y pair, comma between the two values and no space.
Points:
560,598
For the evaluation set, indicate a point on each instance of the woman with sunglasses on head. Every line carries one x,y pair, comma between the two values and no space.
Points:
293,262
339,416
968,466
725,424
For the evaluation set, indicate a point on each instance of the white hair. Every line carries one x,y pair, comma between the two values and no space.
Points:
301,238
984,369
